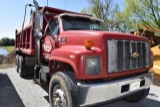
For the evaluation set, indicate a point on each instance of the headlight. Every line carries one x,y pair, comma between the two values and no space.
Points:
93,65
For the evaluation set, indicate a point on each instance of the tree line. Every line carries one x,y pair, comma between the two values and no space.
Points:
124,17
7,41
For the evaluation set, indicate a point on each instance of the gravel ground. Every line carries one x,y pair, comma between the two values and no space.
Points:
18,92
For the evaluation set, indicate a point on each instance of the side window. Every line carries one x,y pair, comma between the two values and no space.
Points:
53,27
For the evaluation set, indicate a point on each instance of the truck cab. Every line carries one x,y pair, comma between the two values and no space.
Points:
83,64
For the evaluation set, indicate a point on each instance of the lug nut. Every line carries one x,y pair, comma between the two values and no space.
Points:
55,96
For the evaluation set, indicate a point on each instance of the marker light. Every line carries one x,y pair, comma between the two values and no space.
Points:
88,44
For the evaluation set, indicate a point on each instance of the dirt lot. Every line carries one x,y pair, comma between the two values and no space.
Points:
8,61
18,92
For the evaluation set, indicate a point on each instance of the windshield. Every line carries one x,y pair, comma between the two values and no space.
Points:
53,28
79,23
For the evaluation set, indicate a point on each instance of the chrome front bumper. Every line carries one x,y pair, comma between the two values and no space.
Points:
90,94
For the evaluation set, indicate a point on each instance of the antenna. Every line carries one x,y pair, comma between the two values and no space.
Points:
65,4
47,3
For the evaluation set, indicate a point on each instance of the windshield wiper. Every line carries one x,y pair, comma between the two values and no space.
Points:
97,29
73,28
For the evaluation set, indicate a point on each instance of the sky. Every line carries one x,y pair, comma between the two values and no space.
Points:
12,12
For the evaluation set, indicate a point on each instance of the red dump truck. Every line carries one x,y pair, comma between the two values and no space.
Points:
82,65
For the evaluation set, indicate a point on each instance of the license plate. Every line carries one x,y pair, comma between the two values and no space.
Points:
134,85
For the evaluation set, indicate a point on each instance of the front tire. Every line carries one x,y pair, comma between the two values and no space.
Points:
138,96
63,86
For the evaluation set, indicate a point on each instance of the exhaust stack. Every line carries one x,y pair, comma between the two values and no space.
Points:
38,27
36,5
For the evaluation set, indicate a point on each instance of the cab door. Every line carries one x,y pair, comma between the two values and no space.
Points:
50,39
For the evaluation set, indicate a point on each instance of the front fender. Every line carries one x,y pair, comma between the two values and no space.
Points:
65,60
74,56
71,55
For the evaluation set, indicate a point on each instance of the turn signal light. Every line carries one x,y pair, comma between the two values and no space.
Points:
88,44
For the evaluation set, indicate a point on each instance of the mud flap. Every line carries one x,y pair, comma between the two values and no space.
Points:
45,74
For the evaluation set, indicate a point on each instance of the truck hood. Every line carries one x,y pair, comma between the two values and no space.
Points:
76,37
74,40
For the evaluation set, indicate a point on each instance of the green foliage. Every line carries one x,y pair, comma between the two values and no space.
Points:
1,42
134,12
124,21
103,9
7,42
8,48
145,11
86,10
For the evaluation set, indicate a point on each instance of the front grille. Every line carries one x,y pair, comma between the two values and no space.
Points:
127,55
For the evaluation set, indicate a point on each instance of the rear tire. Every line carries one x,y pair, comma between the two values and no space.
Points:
21,70
138,96
17,63
63,85
36,73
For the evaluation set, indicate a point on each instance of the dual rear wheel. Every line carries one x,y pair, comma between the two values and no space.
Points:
20,63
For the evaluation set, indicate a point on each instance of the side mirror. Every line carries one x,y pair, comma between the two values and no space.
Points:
38,21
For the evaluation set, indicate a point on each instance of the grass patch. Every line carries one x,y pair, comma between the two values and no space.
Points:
8,48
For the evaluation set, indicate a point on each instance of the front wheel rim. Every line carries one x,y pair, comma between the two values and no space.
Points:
59,97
